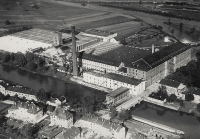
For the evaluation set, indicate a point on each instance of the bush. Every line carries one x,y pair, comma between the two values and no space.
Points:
7,22
189,97
171,98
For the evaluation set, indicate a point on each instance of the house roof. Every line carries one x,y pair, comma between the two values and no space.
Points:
53,131
31,107
62,113
166,53
122,78
71,133
170,83
98,59
118,91
102,122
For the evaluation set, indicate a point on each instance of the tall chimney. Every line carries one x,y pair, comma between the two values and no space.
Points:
74,55
153,49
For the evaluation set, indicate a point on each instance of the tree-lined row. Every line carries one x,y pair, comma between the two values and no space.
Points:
29,60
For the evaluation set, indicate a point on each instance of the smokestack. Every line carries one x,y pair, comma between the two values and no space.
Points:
74,55
153,49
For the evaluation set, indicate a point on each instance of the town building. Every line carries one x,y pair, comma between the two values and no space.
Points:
174,87
103,127
62,118
104,35
114,81
20,91
117,95
25,111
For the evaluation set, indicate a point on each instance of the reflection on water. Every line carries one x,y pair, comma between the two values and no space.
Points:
50,84
188,123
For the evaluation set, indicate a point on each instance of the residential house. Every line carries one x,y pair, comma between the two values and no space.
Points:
25,111
62,118
174,87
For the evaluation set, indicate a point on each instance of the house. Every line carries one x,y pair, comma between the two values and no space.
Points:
25,111
117,95
174,87
102,127
51,132
62,118
20,91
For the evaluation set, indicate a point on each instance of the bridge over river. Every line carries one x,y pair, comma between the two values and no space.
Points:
137,99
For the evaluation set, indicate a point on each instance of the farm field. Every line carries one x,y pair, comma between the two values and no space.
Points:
104,22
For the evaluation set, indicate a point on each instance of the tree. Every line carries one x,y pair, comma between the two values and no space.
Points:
198,107
124,115
172,31
169,21
20,59
1,96
5,57
113,112
12,57
181,26
7,22
172,98
31,65
189,97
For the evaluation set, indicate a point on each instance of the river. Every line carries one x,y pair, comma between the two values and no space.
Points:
50,84
188,123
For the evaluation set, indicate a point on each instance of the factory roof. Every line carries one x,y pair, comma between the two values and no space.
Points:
99,59
170,83
118,91
122,78
99,32
165,54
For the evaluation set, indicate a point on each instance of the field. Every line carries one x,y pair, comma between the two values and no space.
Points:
104,22
57,15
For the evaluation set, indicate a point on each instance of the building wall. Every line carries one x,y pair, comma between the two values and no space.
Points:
21,95
168,67
112,84
115,99
24,115
88,64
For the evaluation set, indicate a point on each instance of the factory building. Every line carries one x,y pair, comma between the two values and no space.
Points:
104,35
114,81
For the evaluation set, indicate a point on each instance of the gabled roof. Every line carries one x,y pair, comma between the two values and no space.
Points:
166,53
170,83
98,59
118,91
71,133
123,79
62,113
31,107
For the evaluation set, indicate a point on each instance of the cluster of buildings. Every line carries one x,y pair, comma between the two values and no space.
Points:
13,89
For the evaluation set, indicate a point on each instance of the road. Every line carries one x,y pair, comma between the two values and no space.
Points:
137,99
